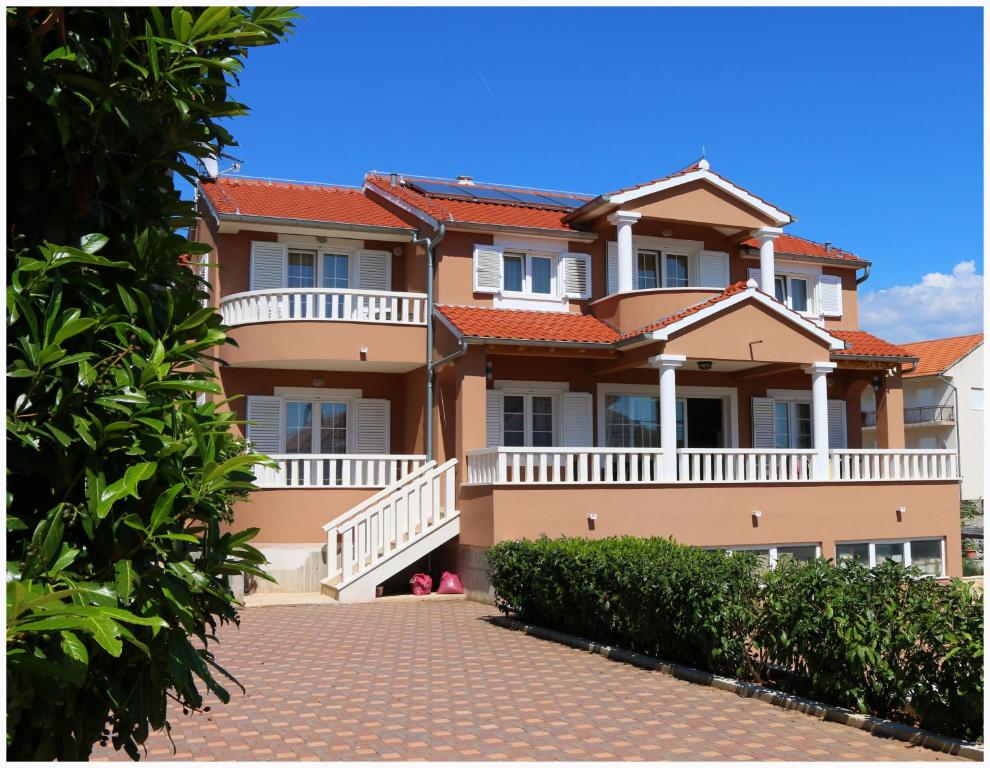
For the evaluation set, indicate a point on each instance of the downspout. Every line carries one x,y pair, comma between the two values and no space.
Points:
431,244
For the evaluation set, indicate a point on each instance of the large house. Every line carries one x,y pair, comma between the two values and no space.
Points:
943,404
437,365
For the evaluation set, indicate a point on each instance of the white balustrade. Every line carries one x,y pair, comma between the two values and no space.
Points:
631,466
340,304
893,464
314,470
390,521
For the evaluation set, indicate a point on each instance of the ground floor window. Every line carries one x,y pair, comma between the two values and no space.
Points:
327,433
528,420
925,554
792,425
633,421
770,555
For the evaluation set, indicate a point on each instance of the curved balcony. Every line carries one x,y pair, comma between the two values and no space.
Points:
326,329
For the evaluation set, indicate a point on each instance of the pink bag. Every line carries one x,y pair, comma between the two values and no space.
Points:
450,584
421,584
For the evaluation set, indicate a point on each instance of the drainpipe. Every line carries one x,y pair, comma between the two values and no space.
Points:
431,244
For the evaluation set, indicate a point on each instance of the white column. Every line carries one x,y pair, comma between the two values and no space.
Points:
766,236
819,416
668,364
623,221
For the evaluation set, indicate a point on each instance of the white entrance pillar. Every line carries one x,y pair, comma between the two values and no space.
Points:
668,364
623,221
819,416
766,236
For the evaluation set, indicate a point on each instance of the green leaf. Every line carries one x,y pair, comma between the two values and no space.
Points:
93,243
124,578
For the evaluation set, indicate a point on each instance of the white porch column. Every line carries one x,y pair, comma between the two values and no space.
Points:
623,221
766,236
819,416
668,364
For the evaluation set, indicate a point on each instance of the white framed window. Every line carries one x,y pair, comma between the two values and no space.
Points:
928,555
792,424
528,273
317,426
796,292
976,398
772,554
675,270
656,268
529,419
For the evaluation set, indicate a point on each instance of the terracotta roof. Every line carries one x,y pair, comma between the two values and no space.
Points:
798,246
472,212
308,202
863,344
938,355
732,290
528,325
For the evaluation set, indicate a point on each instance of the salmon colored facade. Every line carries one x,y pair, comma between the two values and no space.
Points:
599,366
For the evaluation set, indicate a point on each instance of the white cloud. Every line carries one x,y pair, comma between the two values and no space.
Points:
939,306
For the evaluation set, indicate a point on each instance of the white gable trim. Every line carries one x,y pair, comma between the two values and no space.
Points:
662,334
778,216
400,203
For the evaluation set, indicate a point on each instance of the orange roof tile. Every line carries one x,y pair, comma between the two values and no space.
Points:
688,311
472,212
798,246
938,355
309,202
863,344
528,325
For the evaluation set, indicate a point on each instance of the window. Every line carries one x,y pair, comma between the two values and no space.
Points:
976,398
677,271
771,556
528,420
796,292
924,554
632,421
303,436
792,425
529,273
335,270
302,269
648,269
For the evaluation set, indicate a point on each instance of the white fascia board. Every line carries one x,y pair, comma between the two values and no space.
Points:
447,324
776,214
407,207
663,334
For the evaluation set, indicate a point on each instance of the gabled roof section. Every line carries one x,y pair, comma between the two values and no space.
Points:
860,344
461,209
938,355
792,245
238,196
527,325
699,170
730,297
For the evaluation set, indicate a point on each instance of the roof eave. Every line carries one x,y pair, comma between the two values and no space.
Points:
242,218
833,261
565,234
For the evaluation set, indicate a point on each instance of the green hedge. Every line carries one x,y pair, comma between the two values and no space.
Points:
877,641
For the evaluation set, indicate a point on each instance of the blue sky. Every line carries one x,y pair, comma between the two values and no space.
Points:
865,123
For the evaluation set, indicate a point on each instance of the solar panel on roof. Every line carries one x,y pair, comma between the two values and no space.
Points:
450,189
439,188
485,193
531,197
567,202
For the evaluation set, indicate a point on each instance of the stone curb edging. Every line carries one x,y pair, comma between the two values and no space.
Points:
869,723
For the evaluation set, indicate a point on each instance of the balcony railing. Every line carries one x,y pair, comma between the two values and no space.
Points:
638,466
312,470
926,414
340,304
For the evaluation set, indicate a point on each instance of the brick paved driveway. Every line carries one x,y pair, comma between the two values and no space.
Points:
435,681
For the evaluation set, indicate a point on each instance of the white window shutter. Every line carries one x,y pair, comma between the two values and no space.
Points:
267,266
374,271
763,436
487,269
372,429
837,424
714,269
577,275
264,430
611,268
754,274
830,295
576,428
493,417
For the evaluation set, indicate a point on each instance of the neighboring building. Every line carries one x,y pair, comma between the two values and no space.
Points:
601,365
943,404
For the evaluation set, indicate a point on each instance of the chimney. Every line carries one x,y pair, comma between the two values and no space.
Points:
393,179
465,180
828,247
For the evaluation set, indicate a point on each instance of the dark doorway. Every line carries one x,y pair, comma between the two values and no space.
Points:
704,423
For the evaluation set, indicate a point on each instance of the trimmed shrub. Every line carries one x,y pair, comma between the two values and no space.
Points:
881,641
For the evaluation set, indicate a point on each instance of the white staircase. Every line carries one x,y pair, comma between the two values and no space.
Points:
381,536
